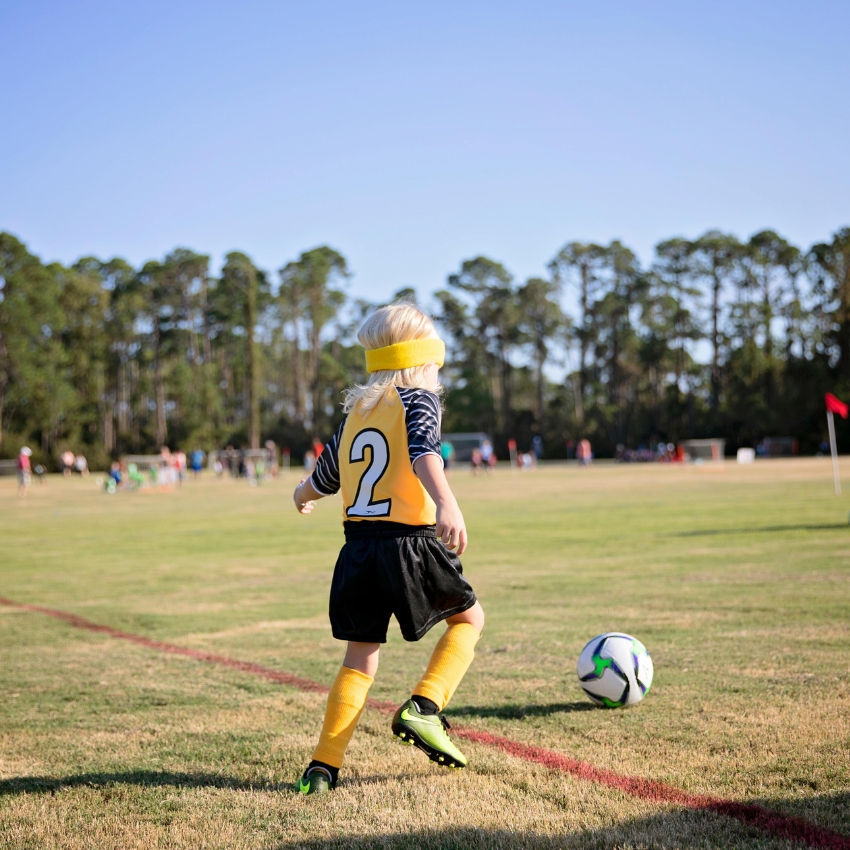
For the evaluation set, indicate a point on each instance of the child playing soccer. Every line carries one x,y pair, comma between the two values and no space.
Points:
401,524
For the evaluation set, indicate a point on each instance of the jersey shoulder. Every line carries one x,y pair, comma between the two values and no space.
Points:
419,394
420,403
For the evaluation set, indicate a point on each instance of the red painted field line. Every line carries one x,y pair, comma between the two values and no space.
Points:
173,649
772,823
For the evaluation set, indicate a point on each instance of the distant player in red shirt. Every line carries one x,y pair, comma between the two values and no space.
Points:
24,471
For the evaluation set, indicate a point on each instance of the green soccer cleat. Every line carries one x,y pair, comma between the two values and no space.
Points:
316,780
428,733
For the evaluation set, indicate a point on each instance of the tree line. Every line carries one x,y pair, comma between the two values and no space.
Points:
716,337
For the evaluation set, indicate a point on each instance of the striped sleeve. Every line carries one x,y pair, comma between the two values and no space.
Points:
325,477
422,414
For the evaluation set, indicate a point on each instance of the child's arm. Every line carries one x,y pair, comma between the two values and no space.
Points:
451,528
325,475
305,496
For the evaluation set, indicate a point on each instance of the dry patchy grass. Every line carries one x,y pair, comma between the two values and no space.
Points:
735,578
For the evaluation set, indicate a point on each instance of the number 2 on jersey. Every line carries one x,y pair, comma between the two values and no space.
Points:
378,463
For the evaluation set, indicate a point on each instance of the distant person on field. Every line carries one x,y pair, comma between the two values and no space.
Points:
67,459
274,465
527,461
113,478
81,465
309,461
401,524
232,461
477,460
24,471
583,452
488,457
196,462
537,446
180,466
134,476
166,469
447,452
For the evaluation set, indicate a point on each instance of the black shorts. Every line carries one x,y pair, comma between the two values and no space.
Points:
386,569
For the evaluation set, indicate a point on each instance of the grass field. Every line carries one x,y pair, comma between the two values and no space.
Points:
737,579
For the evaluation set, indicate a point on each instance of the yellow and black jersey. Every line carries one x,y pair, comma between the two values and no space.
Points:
370,459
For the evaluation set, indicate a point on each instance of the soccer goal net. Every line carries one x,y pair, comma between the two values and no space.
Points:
143,462
8,467
254,455
703,450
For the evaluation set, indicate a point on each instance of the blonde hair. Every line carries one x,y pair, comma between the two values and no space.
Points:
399,322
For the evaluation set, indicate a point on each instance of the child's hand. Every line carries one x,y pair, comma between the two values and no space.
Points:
303,507
451,528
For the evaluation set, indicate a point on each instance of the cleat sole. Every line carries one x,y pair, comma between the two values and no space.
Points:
441,759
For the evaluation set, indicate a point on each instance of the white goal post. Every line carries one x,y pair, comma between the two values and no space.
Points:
702,450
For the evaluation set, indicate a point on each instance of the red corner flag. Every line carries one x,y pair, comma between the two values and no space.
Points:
833,405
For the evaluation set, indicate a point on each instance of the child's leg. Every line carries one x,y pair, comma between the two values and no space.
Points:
346,701
450,659
363,657
416,721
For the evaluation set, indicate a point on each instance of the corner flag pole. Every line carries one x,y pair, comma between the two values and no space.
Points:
830,421
834,405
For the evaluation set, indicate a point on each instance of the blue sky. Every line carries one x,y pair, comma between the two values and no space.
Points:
412,136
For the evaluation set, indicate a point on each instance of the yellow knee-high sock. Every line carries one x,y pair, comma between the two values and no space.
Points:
449,662
345,705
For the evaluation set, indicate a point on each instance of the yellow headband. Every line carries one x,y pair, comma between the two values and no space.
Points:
405,355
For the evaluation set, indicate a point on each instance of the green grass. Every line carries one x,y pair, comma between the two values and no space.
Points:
736,579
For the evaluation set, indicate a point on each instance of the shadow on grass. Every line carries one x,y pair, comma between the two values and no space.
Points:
690,829
140,778
765,529
518,712
466,838
679,828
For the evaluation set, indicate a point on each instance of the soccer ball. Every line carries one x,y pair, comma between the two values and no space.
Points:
615,670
